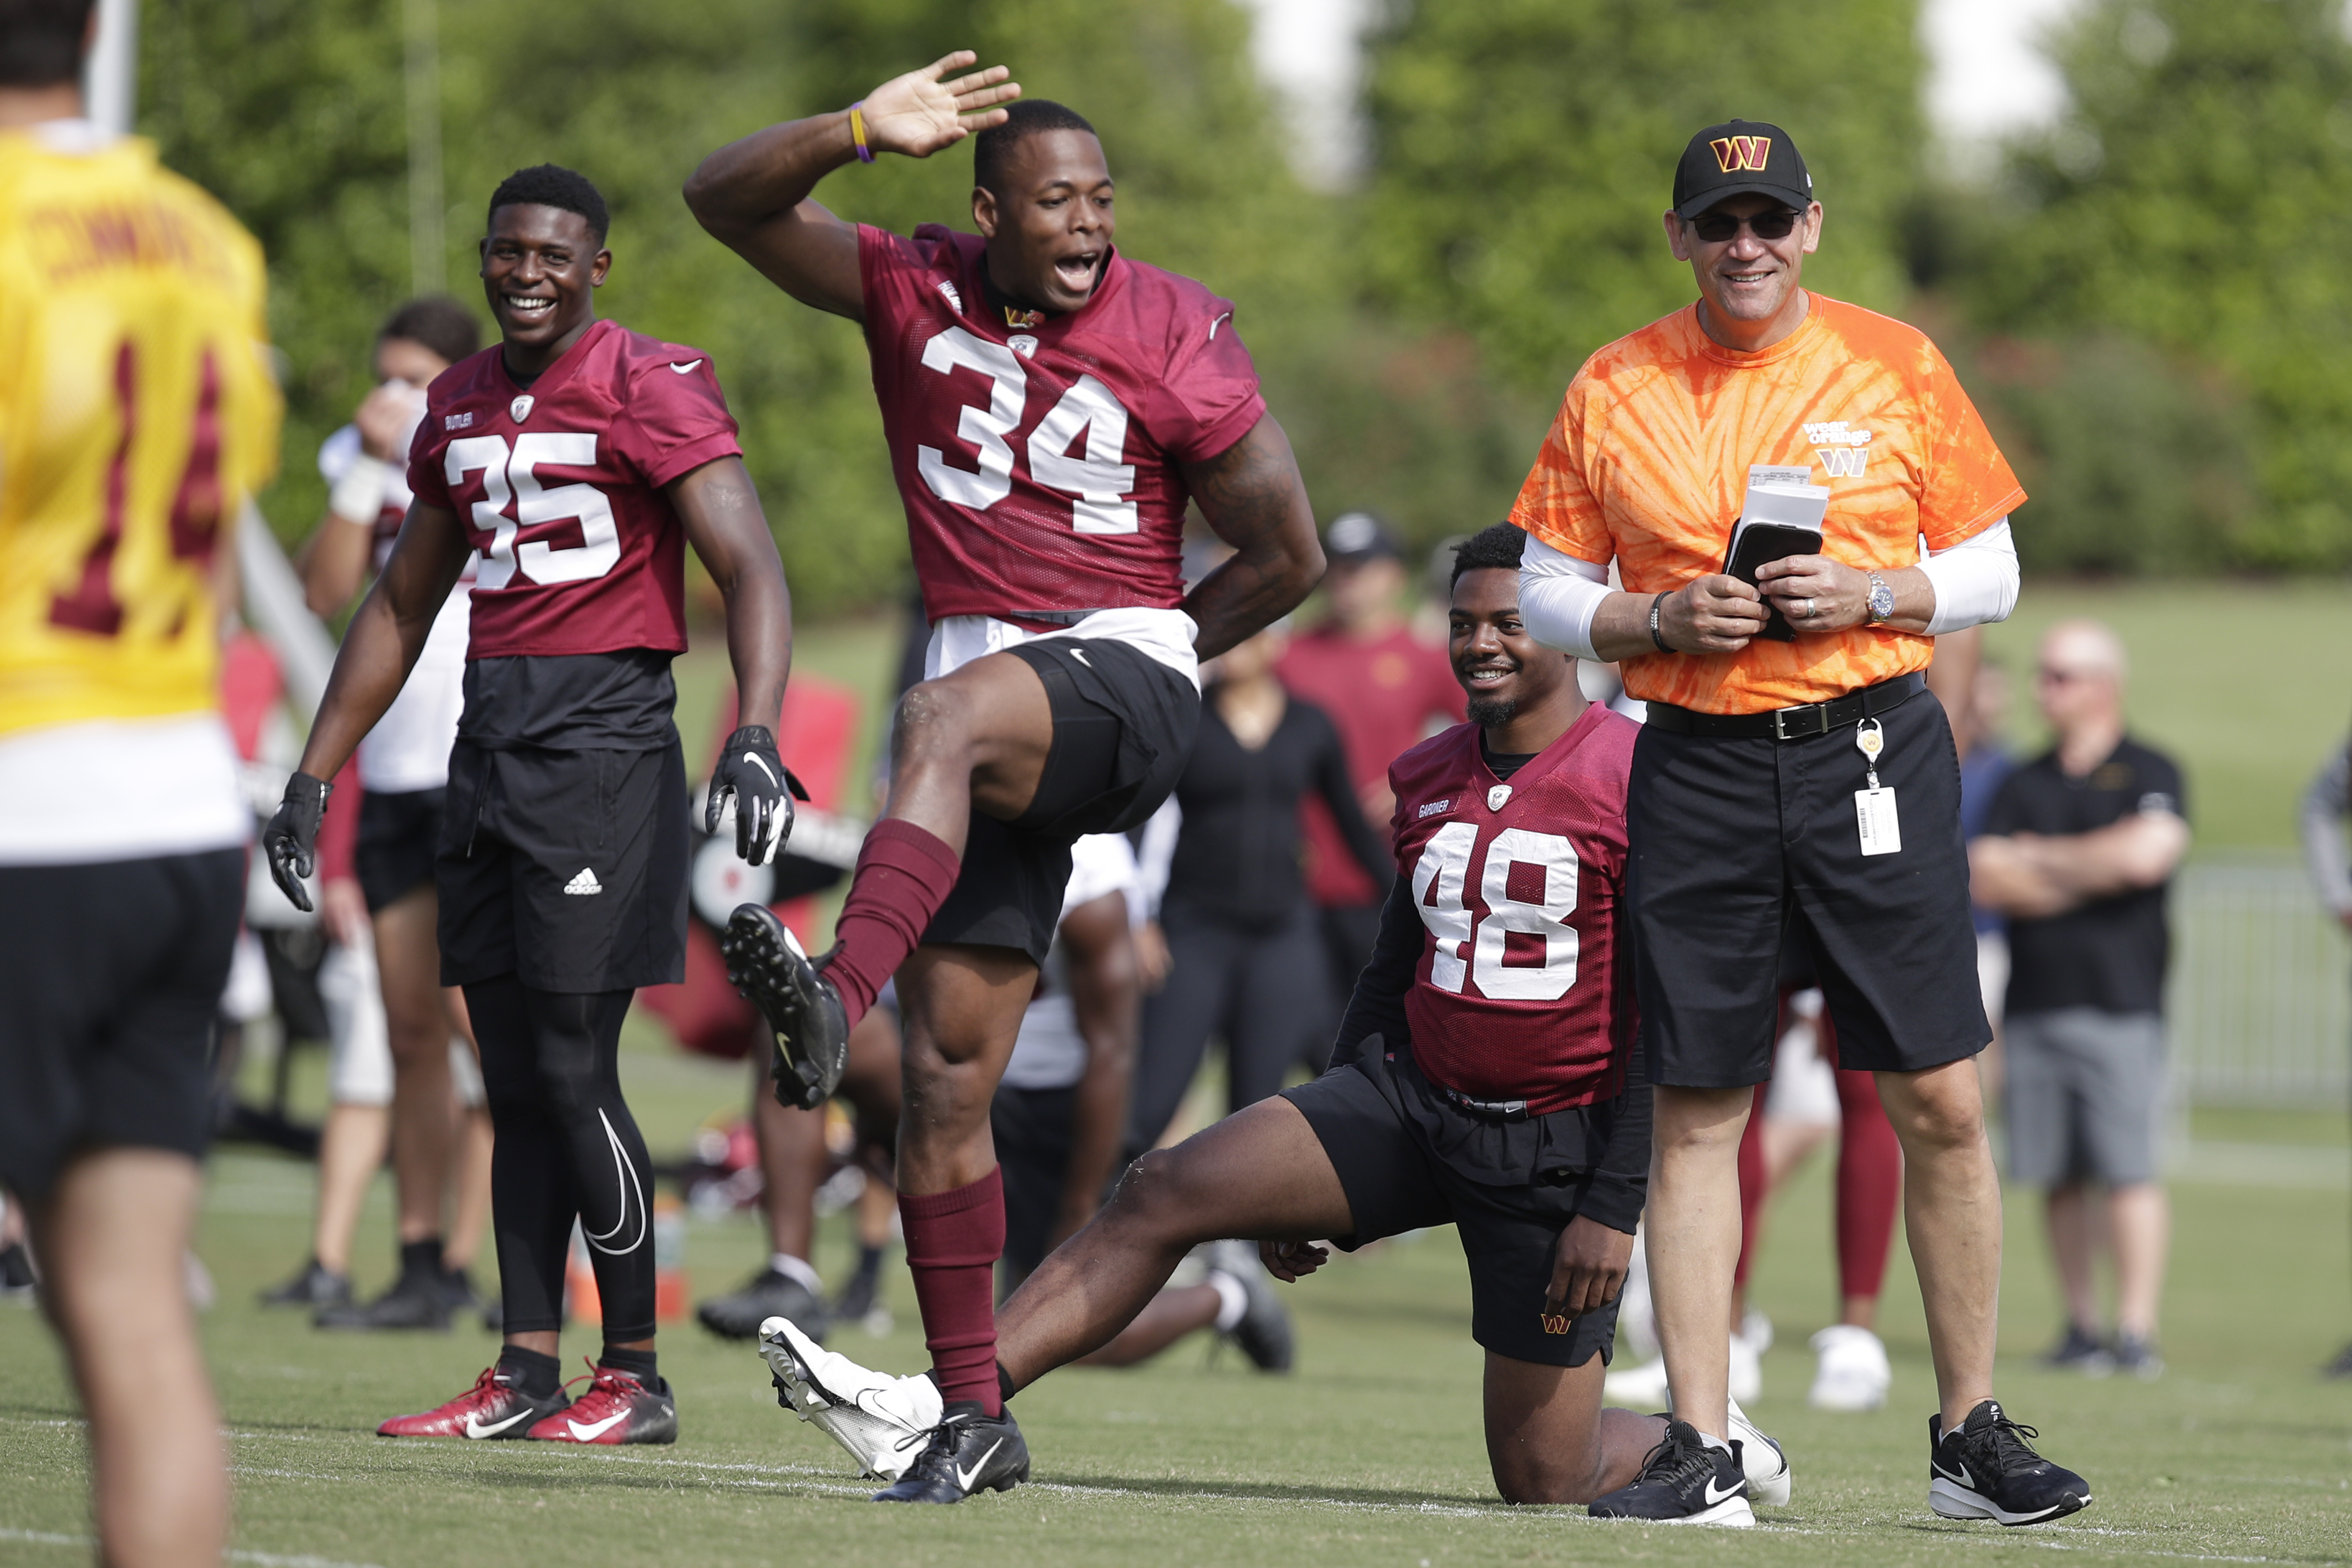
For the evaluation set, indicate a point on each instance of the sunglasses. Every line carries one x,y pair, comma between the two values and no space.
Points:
2051,675
1715,227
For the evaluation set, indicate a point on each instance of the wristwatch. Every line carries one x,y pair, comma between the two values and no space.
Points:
1881,599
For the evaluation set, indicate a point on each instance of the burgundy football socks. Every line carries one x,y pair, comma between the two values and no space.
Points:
904,874
954,1240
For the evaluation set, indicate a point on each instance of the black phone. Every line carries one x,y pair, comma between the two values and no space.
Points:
1763,542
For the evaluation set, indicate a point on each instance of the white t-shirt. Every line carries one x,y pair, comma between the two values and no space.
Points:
409,747
1050,1053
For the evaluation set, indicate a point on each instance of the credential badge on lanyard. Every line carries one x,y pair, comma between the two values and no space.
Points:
1873,808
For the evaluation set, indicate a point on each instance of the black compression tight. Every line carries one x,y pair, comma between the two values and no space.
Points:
567,1148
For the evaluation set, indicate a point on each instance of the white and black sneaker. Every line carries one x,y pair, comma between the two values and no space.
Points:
880,1421
1761,1459
1987,1469
804,1014
967,1453
1684,1481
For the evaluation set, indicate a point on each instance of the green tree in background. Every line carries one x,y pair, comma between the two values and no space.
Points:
2198,198
1526,148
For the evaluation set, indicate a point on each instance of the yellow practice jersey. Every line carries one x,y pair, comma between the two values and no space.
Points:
137,412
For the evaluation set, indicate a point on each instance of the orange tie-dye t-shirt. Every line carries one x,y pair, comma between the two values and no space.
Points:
1648,460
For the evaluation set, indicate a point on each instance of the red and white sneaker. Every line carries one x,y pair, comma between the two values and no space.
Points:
493,1408
617,1409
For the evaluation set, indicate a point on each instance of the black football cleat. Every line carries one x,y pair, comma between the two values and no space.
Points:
1682,1481
317,1288
967,1453
1264,1333
768,1294
1986,1470
805,1018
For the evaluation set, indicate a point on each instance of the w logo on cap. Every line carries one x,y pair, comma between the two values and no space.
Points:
1736,153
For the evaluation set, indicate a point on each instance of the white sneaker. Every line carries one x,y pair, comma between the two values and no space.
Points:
1755,1330
882,1421
1747,1369
1644,1387
1765,1466
1853,1374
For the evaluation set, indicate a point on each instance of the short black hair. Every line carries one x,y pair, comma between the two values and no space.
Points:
1027,117
40,41
1490,548
554,186
437,322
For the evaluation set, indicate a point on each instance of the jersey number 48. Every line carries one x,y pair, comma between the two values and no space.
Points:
1440,888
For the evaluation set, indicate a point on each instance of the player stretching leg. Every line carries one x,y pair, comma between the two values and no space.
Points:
136,415
1484,1077
1051,406
580,458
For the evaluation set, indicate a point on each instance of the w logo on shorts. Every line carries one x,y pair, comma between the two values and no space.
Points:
1556,1322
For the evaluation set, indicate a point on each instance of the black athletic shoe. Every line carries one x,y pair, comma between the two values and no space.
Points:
862,1294
1988,1470
1264,1333
2136,1357
1682,1481
16,1272
316,1287
2079,1351
2341,1366
415,1302
768,1294
811,1031
967,1453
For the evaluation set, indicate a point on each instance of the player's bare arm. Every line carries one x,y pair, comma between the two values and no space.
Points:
386,635
752,195
1257,502
721,509
1106,992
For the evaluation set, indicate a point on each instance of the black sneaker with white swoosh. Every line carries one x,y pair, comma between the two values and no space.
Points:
969,1452
1684,1481
1986,1469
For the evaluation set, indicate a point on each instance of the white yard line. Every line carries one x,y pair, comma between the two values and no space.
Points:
260,1559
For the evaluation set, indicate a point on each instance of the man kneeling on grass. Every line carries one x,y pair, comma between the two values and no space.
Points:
1485,1076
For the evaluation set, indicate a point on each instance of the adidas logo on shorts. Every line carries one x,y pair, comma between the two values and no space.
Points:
586,883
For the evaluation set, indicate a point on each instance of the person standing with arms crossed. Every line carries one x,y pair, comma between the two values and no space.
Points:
137,414
1748,803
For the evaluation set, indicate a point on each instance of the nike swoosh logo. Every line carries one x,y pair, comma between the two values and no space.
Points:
1220,322
683,369
964,1477
753,758
1714,1497
474,1427
596,1429
1959,1473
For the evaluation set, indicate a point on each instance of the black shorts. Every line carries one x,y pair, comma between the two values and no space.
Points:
1733,841
110,978
567,870
1033,1129
1123,726
1407,1159
400,832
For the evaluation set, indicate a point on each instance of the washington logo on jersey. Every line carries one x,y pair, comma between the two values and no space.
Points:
1840,449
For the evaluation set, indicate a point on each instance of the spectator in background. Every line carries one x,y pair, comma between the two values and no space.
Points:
2078,850
2326,805
1385,689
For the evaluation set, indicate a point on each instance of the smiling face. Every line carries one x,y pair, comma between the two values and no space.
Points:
1505,671
1049,230
1750,284
540,269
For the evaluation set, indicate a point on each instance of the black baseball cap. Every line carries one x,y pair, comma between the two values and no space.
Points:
1357,536
1738,157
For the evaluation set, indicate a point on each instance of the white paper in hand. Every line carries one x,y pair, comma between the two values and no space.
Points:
1781,496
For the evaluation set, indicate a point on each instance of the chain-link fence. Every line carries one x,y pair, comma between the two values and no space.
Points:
2260,997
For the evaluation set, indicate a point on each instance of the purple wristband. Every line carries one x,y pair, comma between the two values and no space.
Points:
857,131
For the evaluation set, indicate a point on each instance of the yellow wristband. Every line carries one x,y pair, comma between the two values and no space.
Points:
857,131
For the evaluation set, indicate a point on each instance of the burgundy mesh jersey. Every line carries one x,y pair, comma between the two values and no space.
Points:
1523,991
1039,462
559,487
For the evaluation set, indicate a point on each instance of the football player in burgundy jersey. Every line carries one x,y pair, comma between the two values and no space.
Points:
1485,1076
570,464
1051,406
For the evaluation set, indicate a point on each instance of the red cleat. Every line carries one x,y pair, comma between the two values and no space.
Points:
493,1408
617,1409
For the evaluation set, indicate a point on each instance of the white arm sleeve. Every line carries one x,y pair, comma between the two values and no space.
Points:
1558,597
1975,580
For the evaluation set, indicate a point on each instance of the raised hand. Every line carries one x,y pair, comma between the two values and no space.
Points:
918,114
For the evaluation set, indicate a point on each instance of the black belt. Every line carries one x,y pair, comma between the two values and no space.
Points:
1794,723
1493,1109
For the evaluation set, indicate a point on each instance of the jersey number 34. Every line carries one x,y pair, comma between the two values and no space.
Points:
1440,889
1099,481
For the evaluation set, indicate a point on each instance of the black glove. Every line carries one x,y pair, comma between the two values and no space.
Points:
763,788
290,842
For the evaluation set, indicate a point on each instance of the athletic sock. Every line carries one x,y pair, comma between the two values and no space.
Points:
537,1375
1233,1300
797,1270
904,874
639,1365
954,1240
420,1259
